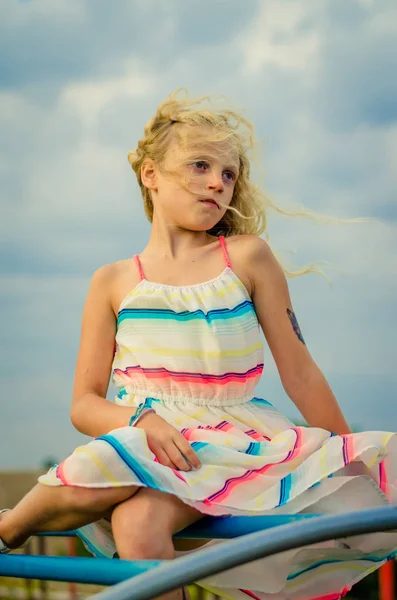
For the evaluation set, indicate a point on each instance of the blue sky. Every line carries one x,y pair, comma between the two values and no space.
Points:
78,82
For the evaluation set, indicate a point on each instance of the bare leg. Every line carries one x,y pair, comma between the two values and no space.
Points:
143,527
47,508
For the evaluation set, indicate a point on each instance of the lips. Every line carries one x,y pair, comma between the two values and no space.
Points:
211,200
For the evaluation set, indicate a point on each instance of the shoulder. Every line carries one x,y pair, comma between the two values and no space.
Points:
249,246
107,280
106,274
253,255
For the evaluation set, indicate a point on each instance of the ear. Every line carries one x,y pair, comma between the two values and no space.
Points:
149,174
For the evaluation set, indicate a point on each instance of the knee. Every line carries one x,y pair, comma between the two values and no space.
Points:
139,534
144,547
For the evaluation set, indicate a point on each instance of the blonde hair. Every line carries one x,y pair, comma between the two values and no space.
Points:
173,122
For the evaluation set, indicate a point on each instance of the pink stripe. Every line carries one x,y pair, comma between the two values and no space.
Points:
382,477
208,427
225,426
334,596
250,594
222,426
60,474
350,445
179,475
162,375
231,483
176,472
187,432
348,448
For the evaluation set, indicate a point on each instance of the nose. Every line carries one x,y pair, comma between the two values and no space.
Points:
216,182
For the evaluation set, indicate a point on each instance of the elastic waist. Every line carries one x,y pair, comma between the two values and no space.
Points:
129,390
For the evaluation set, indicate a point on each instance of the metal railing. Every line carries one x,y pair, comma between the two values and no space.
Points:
254,537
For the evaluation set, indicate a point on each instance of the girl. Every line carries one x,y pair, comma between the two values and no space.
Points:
179,327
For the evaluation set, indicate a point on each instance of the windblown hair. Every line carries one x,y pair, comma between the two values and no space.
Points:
183,122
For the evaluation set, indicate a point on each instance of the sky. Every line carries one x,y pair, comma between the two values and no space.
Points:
78,82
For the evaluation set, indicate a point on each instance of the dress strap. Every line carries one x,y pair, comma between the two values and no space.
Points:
225,253
139,266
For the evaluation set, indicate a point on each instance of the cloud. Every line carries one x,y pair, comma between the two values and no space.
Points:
78,84
89,98
272,39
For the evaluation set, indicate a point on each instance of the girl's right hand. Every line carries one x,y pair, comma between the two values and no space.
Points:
167,443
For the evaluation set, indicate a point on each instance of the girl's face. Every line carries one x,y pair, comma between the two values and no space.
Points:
210,174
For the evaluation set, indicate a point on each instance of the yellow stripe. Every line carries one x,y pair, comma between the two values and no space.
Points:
186,352
328,569
195,353
199,413
98,463
203,475
371,463
375,459
130,401
181,419
386,440
216,591
290,584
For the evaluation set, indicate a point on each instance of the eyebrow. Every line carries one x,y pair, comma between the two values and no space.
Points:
232,166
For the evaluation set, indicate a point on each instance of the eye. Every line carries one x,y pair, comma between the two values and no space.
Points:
202,163
233,177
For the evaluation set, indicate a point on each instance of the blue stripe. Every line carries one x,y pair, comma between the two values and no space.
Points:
261,401
150,401
250,448
142,474
285,489
198,445
374,559
186,315
255,448
90,546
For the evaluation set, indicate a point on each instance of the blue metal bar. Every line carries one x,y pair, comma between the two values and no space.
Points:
152,578
232,553
103,571
222,527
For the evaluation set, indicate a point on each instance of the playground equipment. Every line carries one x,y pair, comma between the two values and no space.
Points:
246,539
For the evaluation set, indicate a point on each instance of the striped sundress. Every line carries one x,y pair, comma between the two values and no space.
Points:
195,354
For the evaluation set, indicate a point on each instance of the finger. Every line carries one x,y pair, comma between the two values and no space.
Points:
187,451
176,456
163,458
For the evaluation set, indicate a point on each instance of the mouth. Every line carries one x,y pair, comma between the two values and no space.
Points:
209,201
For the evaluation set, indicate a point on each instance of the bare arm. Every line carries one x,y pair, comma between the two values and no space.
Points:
301,378
91,413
